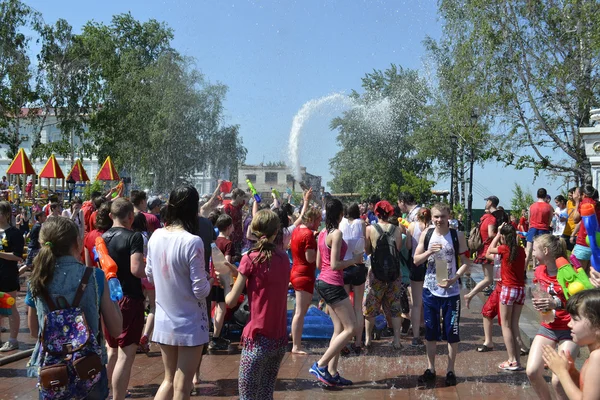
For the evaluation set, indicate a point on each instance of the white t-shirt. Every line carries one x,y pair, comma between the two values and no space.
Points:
351,233
447,253
175,264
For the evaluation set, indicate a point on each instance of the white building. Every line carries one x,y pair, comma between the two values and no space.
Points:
49,133
281,177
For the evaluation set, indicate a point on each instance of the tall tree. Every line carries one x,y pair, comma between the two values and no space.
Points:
376,154
16,91
541,61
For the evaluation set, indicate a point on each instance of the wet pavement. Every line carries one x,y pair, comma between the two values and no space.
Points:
381,373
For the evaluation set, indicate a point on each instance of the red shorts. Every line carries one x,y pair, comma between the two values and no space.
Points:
133,323
147,285
512,295
302,282
491,308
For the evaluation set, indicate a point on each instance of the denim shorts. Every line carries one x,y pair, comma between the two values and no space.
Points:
582,252
532,233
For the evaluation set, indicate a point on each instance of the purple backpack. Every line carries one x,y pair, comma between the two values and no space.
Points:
70,355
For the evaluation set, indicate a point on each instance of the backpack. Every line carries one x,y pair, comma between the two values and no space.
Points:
385,260
475,243
242,314
455,244
70,355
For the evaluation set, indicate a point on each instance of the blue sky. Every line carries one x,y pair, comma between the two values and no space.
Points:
277,55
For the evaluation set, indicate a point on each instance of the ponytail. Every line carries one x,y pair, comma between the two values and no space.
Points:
510,237
57,237
265,224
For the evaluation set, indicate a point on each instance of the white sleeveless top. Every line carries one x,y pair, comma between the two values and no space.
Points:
415,237
351,233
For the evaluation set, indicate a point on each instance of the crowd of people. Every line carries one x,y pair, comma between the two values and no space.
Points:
178,260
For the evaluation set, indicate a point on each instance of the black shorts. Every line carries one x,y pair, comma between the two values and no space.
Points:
9,280
355,275
217,294
567,240
332,294
417,273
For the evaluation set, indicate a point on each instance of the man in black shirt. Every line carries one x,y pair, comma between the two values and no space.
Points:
127,249
34,241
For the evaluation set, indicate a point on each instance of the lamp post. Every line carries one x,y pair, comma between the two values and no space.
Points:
71,186
474,118
452,163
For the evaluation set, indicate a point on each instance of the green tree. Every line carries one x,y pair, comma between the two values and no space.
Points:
521,200
540,59
16,91
377,156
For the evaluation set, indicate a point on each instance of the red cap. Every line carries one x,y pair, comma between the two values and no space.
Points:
383,207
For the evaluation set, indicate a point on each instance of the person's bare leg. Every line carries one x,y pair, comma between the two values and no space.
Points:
535,367
452,353
359,292
510,341
303,300
169,358
122,371
369,326
431,348
187,359
14,320
397,326
344,314
488,324
488,278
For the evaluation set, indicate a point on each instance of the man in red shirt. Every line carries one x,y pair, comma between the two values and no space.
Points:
540,221
140,204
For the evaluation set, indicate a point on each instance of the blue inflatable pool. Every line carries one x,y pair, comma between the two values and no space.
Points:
317,324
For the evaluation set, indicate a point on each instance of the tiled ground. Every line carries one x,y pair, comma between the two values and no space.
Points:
383,373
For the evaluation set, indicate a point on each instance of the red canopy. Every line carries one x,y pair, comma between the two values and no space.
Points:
52,169
78,173
107,172
20,165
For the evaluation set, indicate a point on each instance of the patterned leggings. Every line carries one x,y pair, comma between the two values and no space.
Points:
259,366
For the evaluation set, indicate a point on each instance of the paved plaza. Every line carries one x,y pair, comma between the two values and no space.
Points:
383,373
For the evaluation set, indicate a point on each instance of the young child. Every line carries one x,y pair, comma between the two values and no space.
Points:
547,248
265,272
584,309
512,296
225,225
34,245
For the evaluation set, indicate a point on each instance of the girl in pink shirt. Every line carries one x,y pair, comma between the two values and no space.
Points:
265,272
330,286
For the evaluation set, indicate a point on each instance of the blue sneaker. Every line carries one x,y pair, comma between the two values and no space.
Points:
341,381
322,374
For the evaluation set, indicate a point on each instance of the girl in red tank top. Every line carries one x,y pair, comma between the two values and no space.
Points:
584,308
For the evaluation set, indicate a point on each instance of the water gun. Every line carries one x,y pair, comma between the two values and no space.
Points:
110,268
118,191
588,215
403,222
6,303
253,190
571,281
276,193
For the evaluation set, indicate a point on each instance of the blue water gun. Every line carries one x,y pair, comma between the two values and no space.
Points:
588,215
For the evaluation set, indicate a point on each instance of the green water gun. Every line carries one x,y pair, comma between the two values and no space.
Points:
571,281
276,193
253,190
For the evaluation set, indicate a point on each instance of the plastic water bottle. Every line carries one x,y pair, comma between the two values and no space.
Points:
538,293
497,268
116,292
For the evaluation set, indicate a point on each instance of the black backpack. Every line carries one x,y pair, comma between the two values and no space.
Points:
385,260
455,244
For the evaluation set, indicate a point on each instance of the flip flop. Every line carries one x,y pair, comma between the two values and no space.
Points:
524,352
484,349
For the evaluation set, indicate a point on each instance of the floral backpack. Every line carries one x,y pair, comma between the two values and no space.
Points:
70,355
